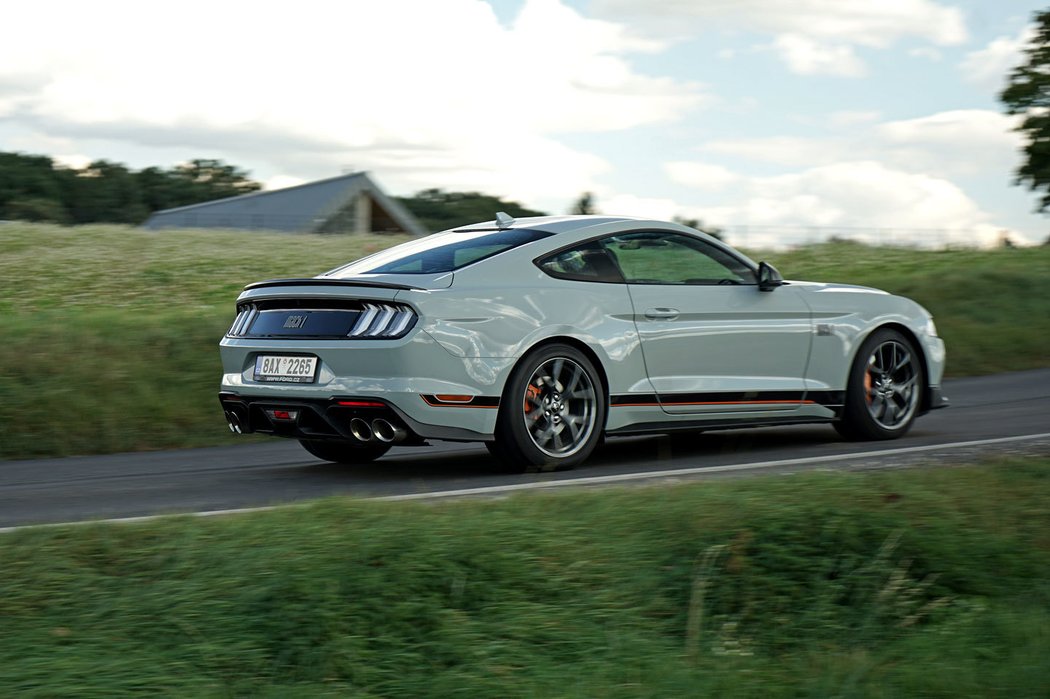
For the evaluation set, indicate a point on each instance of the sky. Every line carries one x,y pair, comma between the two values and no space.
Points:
780,121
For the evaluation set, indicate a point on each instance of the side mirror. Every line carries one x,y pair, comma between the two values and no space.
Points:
768,277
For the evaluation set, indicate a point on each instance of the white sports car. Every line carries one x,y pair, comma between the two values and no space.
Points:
542,336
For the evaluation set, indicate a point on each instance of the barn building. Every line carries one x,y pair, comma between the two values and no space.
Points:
351,203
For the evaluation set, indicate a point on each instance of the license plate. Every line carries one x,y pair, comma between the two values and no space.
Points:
276,368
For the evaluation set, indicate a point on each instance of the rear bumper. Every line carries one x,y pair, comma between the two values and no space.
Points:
329,418
397,373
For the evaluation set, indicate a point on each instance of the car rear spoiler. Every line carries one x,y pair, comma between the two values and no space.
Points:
314,281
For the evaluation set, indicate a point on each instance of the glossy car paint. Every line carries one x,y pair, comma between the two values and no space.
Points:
477,322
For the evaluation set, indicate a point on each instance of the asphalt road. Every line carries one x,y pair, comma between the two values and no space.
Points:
256,475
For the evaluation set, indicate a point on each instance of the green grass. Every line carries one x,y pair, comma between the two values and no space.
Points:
106,328
927,582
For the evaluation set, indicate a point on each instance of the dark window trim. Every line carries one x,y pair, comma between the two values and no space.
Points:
537,261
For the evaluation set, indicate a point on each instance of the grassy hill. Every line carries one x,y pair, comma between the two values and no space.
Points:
110,333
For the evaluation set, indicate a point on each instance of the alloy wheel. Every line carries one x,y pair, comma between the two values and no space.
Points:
560,407
891,385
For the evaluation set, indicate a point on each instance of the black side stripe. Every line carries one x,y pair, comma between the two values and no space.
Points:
827,398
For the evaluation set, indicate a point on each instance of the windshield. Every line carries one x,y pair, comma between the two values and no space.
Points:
441,252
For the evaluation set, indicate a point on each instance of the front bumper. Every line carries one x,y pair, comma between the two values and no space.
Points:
935,399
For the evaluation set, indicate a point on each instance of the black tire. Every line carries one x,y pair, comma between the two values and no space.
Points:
344,452
884,391
552,413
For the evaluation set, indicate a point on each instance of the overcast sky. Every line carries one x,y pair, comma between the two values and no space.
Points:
814,114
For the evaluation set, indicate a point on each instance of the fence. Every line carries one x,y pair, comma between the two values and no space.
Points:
779,237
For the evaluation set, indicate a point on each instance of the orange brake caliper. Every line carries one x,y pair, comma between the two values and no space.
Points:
531,392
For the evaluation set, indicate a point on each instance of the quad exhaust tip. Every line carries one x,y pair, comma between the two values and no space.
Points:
387,432
233,422
361,430
379,430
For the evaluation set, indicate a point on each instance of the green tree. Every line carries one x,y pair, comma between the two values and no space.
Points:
1028,94
205,180
713,231
438,210
36,209
30,188
104,191
584,205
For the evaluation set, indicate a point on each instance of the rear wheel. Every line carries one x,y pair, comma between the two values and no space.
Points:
552,412
884,390
344,452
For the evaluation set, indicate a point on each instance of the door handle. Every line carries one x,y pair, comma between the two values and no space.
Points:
661,313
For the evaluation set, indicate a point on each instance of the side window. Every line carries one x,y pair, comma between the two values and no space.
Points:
589,262
671,258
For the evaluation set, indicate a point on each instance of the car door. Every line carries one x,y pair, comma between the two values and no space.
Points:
712,342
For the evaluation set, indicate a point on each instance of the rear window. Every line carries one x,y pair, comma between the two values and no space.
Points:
441,252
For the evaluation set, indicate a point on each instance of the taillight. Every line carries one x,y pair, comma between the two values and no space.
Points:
323,319
243,321
383,321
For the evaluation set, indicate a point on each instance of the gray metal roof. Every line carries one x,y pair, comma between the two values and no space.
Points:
299,209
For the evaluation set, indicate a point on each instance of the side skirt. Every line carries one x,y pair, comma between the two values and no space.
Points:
688,425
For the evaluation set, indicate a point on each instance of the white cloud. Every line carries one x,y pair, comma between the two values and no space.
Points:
962,141
990,66
863,22
781,150
892,175
661,209
811,36
74,161
808,57
418,91
700,175
969,127
864,198
282,181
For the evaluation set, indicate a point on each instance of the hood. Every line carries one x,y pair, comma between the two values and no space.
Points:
831,287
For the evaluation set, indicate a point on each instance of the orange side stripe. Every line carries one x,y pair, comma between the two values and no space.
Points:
432,404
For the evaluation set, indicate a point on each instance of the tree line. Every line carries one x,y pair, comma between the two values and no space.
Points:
36,188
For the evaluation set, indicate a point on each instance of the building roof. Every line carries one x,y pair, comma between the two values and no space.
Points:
303,208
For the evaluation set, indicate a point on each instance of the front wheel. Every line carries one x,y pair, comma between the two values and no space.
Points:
344,452
552,412
884,390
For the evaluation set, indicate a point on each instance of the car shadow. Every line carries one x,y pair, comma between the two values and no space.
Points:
470,465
